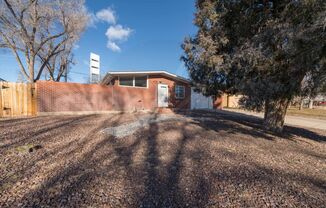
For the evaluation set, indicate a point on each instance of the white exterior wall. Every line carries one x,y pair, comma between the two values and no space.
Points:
199,101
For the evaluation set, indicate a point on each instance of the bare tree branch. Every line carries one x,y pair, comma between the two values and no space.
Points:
14,50
28,28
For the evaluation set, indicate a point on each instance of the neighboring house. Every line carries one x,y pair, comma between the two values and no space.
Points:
320,97
154,89
319,100
231,101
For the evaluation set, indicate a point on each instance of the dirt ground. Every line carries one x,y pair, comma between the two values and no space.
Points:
206,160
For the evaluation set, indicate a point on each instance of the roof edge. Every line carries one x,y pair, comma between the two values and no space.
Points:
180,78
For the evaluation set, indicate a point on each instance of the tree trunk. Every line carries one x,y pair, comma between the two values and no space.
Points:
311,103
301,104
275,111
31,70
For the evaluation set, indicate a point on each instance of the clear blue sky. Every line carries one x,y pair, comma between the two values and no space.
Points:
144,35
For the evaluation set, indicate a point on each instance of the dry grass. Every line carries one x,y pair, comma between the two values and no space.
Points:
219,161
315,113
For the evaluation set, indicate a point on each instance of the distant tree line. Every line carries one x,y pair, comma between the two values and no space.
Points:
41,34
268,51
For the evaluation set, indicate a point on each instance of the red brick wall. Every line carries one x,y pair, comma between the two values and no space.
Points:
60,97
173,101
218,102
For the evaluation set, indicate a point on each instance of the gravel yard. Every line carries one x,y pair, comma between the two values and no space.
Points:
201,159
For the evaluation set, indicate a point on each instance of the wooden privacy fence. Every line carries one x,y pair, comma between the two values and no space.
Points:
17,99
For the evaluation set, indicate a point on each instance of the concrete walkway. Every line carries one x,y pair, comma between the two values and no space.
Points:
290,120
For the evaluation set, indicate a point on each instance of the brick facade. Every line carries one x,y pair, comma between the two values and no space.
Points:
59,97
67,97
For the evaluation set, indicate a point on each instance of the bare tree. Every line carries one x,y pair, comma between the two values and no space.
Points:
58,65
39,30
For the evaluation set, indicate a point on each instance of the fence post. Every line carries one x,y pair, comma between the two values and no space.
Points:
34,99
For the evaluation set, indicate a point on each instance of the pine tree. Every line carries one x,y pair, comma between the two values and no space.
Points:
264,50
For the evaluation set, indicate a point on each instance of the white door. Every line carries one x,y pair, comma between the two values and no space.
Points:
162,95
199,101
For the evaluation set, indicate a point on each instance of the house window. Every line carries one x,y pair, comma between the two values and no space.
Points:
133,81
179,91
141,81
126,81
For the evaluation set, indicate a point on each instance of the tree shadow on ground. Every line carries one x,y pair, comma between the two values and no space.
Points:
159,181
156,189
260,185
290,131
14,121
231,124
74,176
21,136
250,125
101,170
52,156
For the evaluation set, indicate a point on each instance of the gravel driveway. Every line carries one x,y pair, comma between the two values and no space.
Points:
202,159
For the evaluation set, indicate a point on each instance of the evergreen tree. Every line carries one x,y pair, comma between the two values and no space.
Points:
262,49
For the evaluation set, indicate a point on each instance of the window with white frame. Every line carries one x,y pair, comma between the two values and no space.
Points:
180,91
133,81
126,81
140,81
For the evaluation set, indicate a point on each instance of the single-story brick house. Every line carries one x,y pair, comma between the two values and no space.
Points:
155,88
121,91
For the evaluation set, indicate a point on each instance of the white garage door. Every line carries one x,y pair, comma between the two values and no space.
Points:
199,101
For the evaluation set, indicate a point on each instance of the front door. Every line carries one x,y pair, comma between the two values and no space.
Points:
162,95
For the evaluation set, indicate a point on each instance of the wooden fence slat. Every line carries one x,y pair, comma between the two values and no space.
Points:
11,106
17,99
1,104
25,100
34,100
29,99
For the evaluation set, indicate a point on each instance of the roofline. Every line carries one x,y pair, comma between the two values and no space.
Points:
148,73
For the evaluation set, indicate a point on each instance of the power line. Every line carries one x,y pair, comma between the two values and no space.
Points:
78,73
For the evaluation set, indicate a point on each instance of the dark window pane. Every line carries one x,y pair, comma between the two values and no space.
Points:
179,91
126,81
141,81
